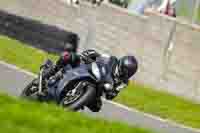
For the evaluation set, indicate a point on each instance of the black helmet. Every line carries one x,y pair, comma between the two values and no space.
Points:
71,43
127,67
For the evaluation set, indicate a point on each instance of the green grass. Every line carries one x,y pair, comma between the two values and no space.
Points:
19,116
25,57
137,96
161,104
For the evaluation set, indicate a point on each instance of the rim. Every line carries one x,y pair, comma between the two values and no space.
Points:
31,92
72,95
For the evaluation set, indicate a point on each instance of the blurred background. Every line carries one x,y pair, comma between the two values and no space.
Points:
185,9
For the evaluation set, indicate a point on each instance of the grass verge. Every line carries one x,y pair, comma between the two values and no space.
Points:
19,116
161,104
25,57
137,96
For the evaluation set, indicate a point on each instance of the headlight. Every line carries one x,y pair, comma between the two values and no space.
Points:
108,86
95,71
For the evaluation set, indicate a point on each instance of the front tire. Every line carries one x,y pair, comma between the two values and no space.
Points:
87,95
30,91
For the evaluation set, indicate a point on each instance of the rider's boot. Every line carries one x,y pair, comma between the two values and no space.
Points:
96,105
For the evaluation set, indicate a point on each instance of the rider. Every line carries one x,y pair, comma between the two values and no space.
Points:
122,70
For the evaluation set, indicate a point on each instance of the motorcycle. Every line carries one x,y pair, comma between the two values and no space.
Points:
74,88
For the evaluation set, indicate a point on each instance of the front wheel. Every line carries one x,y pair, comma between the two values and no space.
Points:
79,99
30,91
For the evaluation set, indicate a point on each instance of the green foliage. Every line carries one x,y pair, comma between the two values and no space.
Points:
198,16
183,11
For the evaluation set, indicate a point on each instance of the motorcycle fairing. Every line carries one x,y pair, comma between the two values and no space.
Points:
79,73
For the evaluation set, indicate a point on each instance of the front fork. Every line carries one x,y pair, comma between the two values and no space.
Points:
40,82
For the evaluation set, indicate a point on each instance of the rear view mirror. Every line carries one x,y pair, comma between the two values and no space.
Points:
47,64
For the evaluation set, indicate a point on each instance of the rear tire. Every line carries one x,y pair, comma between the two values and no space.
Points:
86,97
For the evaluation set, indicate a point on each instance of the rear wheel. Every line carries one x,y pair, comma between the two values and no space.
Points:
77,99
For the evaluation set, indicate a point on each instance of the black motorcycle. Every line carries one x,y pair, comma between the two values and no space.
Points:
72,88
